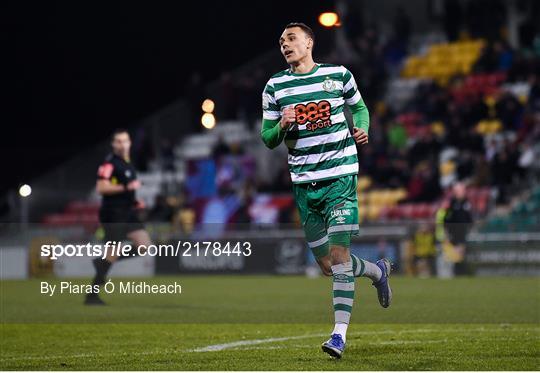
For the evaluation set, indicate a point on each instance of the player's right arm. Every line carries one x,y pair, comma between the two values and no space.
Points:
358,108
274,123
104,185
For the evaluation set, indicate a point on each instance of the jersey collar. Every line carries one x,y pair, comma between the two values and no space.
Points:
315,68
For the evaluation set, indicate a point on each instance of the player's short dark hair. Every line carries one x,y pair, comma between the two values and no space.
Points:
304,27
118,131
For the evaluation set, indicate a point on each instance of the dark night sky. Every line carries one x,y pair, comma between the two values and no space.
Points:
75,70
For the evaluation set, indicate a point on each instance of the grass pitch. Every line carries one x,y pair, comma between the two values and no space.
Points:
275,323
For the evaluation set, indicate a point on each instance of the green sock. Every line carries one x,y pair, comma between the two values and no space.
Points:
357,266
343,292
363,268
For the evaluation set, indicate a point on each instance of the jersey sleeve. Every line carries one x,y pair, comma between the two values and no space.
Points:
360,114
270,107
350,90
105,171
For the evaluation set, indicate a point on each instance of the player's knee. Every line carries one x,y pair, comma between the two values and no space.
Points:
339,254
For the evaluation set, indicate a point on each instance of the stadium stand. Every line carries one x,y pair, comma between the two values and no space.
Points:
447,111
524,216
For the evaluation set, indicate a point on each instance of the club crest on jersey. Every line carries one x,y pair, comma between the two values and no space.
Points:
329,85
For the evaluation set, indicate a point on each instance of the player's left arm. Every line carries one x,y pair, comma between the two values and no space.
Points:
358,108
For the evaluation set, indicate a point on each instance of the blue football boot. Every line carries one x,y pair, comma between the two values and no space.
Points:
334,346
383,286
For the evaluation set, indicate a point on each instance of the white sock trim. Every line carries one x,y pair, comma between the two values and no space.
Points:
342,267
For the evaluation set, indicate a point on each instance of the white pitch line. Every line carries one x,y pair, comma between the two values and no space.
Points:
280,347
252,342
237,344
83,355
407,342
310,346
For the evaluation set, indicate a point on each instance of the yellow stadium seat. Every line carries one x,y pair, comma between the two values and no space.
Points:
490,101
364,182
374,197
362,213
373,212
495,126
482,127
437,128
444,60
385,197
401,194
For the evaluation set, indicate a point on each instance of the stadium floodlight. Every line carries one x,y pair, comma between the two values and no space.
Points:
208,106
208,120
25,190
329,19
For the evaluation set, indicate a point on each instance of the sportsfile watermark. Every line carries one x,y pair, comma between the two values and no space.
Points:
114,248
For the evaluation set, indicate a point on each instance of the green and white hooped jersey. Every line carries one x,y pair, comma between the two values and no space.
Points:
320,144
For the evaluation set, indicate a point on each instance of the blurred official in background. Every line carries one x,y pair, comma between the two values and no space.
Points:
117,183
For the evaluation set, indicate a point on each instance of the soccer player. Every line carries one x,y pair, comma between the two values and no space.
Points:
303,106
117,183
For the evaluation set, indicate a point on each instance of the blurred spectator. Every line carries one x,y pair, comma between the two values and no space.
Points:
465,165
509,111
488,61
417,184
162,211
394,52
397,136
481,175
526,160
426,148
424,251
200,179
167,155
491,149
505,54
502,170
184,215
457,223
534,93
220,149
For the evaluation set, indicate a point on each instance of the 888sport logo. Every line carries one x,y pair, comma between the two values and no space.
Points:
314,115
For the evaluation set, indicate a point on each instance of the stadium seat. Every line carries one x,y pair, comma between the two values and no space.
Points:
443,60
